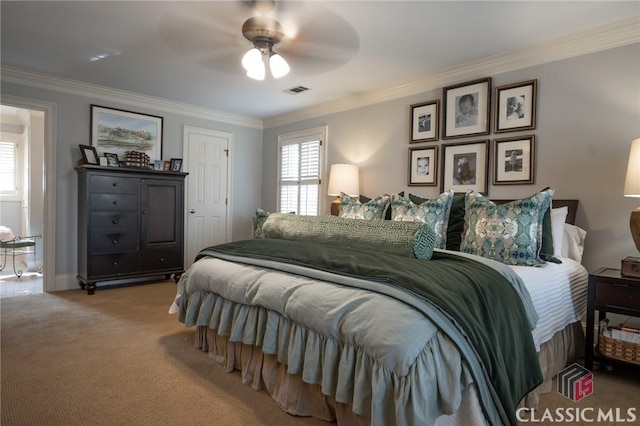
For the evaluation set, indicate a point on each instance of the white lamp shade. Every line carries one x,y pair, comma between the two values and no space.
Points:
279,67
252,61
632,182
344,178
257,73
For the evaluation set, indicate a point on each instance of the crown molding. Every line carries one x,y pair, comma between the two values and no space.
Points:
620,33
74,87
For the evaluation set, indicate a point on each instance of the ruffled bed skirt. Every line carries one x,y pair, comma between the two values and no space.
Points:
290,365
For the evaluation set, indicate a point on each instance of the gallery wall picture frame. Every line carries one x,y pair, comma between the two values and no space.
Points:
117,131
465,166
176,164
112,159
514,160
423,166
89,155
515,107
425,118
466,109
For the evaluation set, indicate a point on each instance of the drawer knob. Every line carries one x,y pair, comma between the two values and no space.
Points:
115,183
115,263
114,241
115,219
115,202
162,259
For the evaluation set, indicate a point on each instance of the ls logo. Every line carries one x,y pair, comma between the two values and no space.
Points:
575,382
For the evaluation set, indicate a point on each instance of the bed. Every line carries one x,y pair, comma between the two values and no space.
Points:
343,331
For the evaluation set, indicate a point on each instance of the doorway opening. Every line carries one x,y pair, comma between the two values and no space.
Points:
22,143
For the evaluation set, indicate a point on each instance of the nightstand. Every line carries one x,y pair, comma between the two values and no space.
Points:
609,291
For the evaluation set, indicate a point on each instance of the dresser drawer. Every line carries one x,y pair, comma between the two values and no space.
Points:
115,184
114,202
113,242
152,260
113,264
619,295
114,221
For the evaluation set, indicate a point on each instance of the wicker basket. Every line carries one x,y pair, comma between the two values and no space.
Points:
619,349
136,159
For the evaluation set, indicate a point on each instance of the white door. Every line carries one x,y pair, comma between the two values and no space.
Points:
206,159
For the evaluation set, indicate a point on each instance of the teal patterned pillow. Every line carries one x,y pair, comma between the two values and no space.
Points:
258,222
411,239
352,208
510,233
434,212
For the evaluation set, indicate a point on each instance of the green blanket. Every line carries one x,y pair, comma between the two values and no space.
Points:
479,300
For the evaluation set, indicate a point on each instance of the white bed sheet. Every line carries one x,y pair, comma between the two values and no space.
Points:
559,295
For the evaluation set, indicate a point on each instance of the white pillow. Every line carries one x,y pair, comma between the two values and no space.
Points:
573,242
558,217
6,234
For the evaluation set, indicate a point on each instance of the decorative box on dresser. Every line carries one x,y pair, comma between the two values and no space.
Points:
130,224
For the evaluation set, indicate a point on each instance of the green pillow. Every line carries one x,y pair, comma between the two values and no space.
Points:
510,233
434,212
411,239
456,223
547,250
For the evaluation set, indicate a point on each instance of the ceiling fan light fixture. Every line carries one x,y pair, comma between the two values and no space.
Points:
252,59
279,67
257,72
264,33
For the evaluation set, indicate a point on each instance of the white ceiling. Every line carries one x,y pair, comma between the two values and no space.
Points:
190,52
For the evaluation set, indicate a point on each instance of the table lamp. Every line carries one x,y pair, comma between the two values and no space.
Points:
632,189
342,178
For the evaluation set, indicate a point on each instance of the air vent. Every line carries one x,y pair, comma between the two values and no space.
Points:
296,90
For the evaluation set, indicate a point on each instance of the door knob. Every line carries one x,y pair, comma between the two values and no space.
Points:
192,211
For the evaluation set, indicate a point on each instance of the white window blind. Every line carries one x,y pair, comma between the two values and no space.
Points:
8,169
300,173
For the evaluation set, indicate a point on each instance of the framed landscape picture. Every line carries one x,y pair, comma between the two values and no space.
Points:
465,166
424,121
117,131
466,109
514,160
423,166
515,107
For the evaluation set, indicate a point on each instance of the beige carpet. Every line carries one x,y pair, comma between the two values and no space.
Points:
118,358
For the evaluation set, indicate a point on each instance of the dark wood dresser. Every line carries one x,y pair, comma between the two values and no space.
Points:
130,224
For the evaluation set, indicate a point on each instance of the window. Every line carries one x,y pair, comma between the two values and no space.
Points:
10,170
300,171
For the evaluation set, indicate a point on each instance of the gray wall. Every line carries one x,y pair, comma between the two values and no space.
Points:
588,114
73,128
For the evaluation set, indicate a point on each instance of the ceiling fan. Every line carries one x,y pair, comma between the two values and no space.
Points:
264,32
312,37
